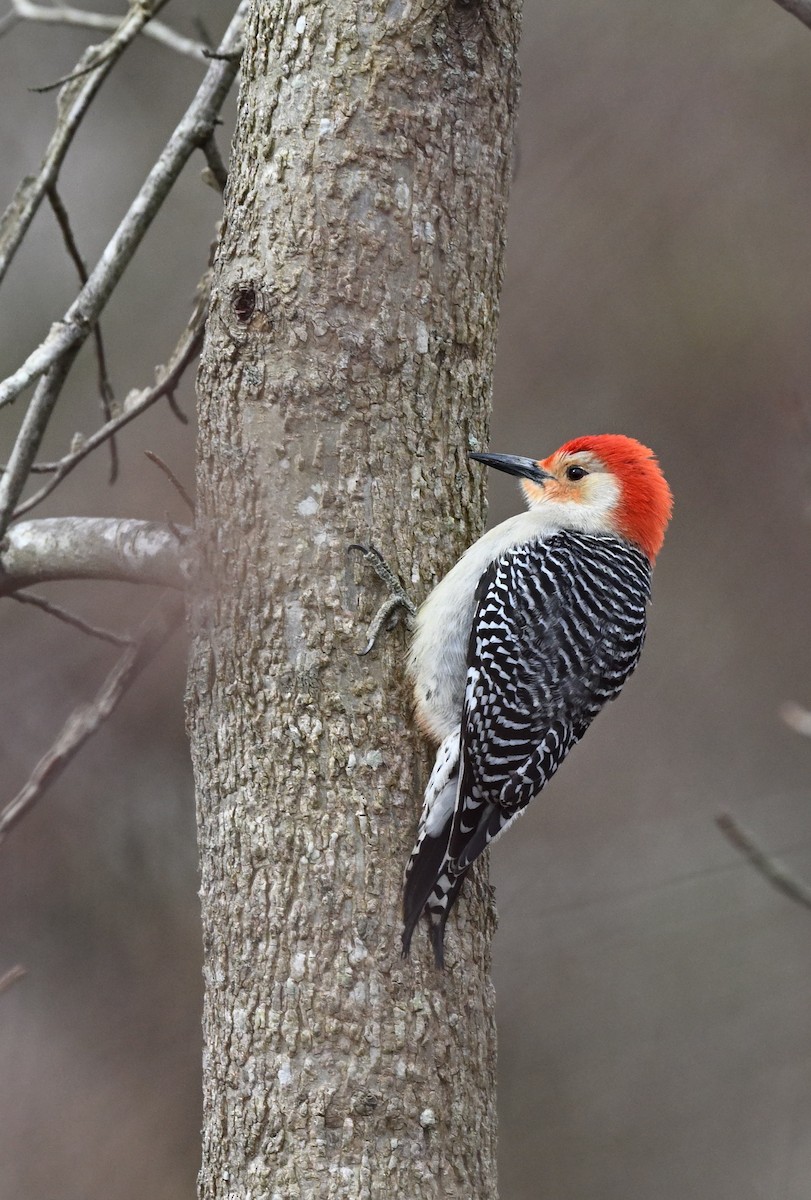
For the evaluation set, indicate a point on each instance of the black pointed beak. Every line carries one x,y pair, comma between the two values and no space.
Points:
513,464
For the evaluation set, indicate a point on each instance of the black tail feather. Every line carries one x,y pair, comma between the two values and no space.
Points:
438,918
421,875
421,893
436,932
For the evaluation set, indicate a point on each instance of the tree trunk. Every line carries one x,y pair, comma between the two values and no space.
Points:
346,374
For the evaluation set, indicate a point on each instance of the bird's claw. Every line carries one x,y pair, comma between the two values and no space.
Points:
397,599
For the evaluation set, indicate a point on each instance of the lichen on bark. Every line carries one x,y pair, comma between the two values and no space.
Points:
346,374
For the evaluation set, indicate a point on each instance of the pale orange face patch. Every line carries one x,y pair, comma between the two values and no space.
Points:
588,502
555,490
561,490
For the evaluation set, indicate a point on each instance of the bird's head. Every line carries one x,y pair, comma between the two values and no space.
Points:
601,484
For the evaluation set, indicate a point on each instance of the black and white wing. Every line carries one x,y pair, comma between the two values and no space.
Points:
558,627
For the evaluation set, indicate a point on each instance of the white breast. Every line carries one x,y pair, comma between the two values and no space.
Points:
437,660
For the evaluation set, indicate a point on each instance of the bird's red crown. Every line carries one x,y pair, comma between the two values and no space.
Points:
646,502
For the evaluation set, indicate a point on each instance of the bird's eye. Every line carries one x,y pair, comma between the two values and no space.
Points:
575,473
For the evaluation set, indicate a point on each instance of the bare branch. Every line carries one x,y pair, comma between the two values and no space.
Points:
10,977
773,871
73,104
86,720
169,376
801,9
69,618
64,15
173,479
94,548
194,128
105,387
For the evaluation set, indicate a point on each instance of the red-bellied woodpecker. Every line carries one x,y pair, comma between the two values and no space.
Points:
521,644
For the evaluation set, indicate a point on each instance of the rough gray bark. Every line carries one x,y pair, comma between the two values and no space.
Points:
346,374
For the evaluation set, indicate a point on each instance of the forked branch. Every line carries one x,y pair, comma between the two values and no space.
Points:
50,362
137,402
74,102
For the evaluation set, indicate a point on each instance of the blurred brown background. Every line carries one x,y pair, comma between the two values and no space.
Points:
653,992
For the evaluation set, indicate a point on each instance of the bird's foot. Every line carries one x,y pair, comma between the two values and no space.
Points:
397,603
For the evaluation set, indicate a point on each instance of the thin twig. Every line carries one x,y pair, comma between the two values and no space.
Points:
105,387
77,73
173,479
177,411
801,9
773,871
31,432
87,719
169,376
224,55
10,977
202,31
73,105
62,614
216,165
180,533
63,15
193,129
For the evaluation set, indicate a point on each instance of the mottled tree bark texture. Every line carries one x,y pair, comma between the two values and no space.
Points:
346,374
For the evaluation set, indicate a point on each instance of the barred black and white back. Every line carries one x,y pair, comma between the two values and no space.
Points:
558,627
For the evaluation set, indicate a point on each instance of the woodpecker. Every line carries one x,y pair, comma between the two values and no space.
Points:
521,644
